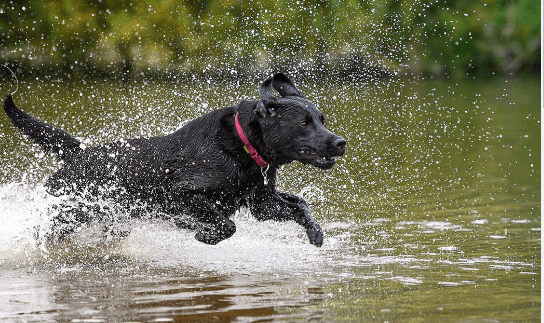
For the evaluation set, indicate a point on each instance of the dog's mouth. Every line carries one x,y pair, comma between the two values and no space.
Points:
309,156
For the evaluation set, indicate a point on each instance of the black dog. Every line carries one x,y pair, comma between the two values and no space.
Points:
206,170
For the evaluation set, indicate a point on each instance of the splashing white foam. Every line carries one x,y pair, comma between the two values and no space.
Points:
256,247
24,212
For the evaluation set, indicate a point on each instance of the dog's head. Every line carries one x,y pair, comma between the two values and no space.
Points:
292,126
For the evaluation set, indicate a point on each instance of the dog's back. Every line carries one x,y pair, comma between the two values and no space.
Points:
193,157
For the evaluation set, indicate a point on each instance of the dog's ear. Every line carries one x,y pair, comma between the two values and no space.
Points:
265,91
284,86
267,97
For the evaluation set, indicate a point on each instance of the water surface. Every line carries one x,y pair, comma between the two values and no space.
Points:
433,214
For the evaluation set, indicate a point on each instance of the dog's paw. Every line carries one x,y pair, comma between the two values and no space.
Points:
315,234
208,237
215,234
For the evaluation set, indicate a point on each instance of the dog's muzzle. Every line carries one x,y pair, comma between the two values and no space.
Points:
323,159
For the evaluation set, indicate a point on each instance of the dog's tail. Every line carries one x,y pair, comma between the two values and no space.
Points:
49,137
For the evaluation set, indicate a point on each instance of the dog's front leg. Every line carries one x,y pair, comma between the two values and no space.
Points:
303,217
271,205
212,225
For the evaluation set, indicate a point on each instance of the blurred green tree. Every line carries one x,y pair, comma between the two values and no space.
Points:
231,37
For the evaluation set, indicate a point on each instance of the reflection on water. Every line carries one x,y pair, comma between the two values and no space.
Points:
432,215
113,295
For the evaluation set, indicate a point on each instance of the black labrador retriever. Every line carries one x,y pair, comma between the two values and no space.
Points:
204,171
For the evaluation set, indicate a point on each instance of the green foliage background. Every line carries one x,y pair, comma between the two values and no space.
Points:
244,37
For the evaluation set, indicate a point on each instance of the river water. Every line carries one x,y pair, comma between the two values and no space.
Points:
432,215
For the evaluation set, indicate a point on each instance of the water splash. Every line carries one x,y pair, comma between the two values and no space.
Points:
256,247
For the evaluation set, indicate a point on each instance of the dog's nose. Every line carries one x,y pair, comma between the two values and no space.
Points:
340,145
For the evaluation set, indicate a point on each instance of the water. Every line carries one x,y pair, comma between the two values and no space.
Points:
432,215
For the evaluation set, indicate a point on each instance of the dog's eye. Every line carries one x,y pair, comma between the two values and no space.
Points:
304,124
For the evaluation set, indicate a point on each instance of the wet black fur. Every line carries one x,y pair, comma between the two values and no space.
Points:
202,169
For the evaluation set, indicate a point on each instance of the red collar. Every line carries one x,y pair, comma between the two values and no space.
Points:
248,147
